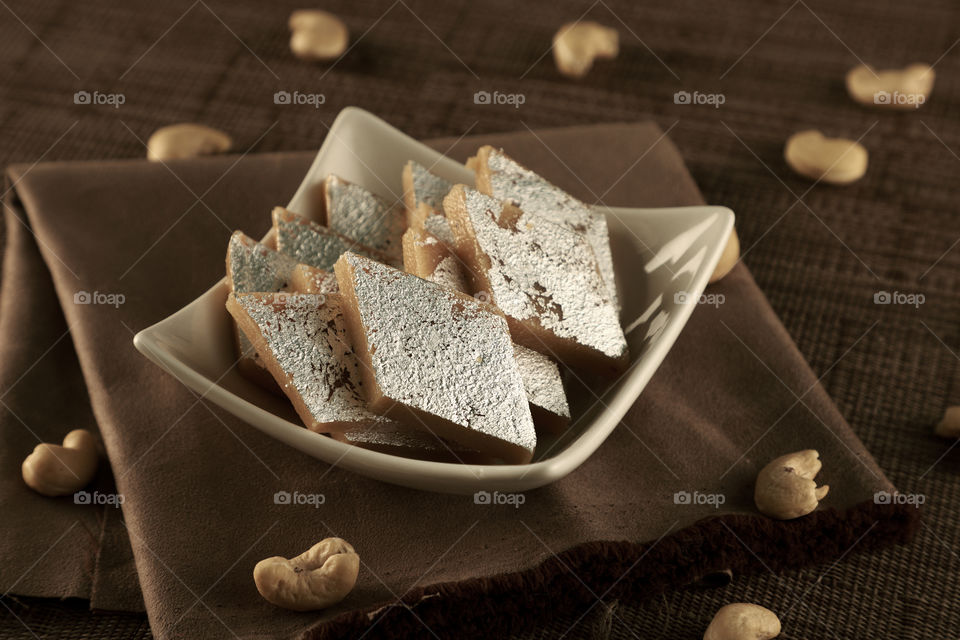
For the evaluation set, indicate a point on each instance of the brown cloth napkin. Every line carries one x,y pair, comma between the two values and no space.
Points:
198,484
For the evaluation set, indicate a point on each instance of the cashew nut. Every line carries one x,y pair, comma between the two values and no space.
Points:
186,140
833,160
316,579
729,257
577,44
317,35
54,470
949,426
743,621
785,487
906,88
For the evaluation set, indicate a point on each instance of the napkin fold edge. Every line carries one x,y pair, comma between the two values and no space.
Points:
746,544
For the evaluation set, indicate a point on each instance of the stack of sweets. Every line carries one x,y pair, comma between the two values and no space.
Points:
456,357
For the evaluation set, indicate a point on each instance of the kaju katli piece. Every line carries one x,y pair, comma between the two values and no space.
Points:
502,177
425,256
543,277
252,266
302,339
437,357
361,215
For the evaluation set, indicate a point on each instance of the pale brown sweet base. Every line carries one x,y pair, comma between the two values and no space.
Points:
452,431
307,279
415,214
421,257
531,334
422,254
471,164
281,377
413,261
448,452
392,408
480,164
527,332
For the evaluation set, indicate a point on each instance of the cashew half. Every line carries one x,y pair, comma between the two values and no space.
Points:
317,35
785,487
577,44
54,470
186,140
729,257
906,88
743,621
316,579
833,160
949,426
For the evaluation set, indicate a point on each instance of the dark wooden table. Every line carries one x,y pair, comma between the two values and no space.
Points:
820,254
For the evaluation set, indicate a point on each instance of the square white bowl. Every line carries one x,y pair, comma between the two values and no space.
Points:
662,257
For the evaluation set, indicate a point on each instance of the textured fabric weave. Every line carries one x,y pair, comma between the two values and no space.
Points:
820,267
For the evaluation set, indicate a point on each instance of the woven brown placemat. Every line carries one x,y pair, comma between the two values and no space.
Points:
891,369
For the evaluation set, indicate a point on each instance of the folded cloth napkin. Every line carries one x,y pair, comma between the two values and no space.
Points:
198,485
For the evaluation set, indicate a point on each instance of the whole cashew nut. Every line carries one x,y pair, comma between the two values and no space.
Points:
186,140
743,621
316,579
785,487
577,44
833,160
906,88
729,257
317,35
55,470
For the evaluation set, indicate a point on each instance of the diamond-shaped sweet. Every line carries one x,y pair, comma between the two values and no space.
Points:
310,243
303,342
436,357
423,194
543,277
356,213
504,178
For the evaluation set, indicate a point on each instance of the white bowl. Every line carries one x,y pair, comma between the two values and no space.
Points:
661,256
